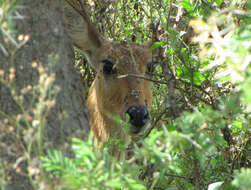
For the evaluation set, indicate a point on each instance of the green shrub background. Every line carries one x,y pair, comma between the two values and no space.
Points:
200,137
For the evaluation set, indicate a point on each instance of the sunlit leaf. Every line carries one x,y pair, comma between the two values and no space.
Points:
157,44
215,186
186,5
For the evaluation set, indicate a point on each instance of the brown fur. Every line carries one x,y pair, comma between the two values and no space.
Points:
111,96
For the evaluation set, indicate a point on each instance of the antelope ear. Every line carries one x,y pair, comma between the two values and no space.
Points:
82,32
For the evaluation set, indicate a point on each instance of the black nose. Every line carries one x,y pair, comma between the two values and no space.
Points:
138,115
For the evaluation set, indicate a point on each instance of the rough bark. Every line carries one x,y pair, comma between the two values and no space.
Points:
50,47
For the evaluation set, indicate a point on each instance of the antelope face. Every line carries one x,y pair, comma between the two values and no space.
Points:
115,92
120,92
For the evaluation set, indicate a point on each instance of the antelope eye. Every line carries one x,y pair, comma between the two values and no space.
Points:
108,68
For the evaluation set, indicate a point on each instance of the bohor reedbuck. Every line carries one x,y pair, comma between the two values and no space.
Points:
116,90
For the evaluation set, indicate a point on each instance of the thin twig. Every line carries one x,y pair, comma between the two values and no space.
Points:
173,175
141,77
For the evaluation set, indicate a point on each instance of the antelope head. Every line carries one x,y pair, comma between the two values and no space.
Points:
115,91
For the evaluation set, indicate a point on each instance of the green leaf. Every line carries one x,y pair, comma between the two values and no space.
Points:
155,137
218,2
138,186
170,128
115,184
169,51
198,78
186,5
118,120
157,44
215,186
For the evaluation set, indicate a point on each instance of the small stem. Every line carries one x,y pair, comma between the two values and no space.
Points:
141,77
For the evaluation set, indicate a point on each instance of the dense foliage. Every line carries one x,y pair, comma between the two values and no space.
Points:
200,136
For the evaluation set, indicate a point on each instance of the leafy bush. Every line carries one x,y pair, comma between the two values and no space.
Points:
91,169
242,179
201,118
200,137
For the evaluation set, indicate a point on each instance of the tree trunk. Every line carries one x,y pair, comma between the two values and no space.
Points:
48,52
